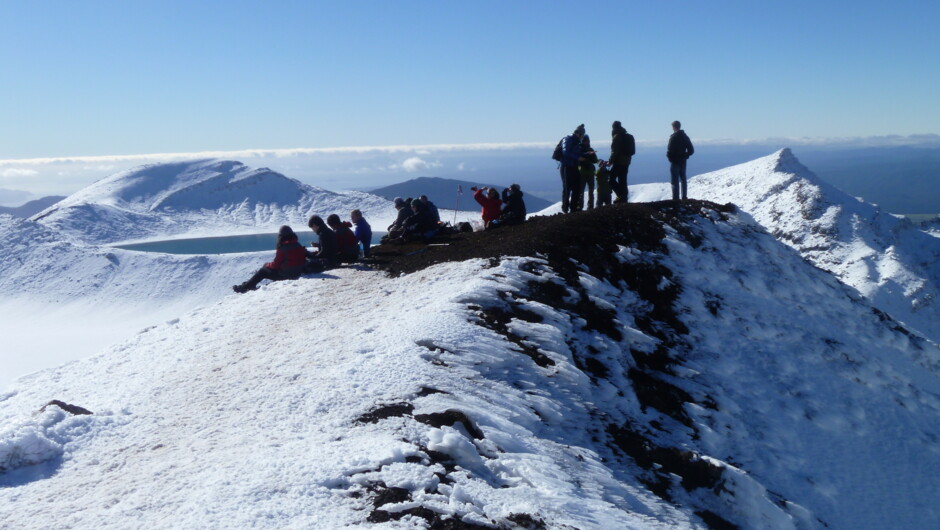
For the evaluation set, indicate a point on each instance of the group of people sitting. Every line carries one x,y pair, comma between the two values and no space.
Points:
339,242
417,219
347,241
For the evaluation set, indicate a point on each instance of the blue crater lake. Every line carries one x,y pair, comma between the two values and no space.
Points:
225,244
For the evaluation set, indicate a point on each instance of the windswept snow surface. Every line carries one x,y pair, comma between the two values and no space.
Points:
458,392
890,260
199,198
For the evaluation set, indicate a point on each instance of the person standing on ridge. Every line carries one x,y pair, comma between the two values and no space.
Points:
570,174
622,149
678,152
602,177
586,169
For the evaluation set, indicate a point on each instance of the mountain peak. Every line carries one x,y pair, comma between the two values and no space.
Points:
170,199
787,162
884,256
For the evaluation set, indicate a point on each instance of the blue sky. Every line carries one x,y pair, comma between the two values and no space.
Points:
98,78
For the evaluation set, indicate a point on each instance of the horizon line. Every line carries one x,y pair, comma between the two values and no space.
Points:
929,139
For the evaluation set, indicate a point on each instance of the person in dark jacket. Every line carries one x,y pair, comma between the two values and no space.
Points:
603,183
586,170
363,231
396,229
431,208
346,243
513,211
289,259
327,255
421,224
678,152
570,174
622,149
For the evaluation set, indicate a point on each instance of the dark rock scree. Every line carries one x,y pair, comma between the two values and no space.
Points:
573,244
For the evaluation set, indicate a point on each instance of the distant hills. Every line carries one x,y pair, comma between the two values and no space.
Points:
443,193
199,198
31,207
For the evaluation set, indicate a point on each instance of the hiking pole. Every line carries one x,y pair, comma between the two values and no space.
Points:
457,202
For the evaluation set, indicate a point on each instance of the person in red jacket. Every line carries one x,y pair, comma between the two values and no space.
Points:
289,260
489,200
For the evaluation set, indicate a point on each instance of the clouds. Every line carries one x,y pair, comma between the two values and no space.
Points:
364,167
18,172
354,167
415,164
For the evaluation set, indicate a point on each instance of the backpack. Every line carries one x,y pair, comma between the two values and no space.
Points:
556,155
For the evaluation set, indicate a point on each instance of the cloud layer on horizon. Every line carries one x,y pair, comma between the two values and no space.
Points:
371,166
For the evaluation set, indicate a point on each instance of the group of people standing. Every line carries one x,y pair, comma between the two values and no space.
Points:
577,158
577,161
339,242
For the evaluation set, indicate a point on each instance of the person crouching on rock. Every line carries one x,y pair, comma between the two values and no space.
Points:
346,243
404,212
490,203
327,256
288,263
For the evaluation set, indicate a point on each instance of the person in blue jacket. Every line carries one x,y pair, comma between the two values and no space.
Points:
362,230
570,173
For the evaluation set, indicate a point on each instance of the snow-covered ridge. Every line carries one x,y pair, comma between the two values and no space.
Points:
694,378
890,260
204,197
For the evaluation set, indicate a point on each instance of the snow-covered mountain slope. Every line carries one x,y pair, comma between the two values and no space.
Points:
198,198
890,260
40,266
652,367
61,300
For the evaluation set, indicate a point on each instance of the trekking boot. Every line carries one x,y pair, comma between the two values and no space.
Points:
240,288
